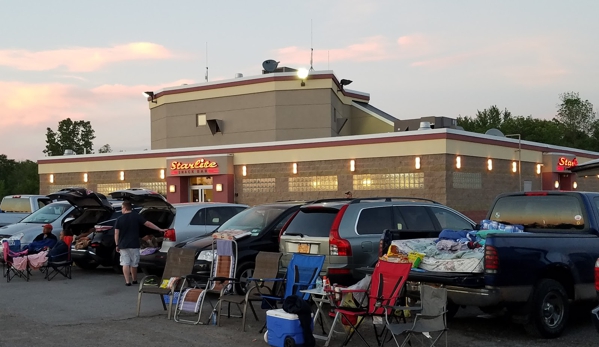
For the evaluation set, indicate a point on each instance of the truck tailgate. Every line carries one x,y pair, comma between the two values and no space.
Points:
462,279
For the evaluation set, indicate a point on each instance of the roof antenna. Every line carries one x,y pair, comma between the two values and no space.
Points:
311,47
206,77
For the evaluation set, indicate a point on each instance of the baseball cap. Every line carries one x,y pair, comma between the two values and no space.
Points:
47,226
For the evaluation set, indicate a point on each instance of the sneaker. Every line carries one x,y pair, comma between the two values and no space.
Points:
128,284
134,282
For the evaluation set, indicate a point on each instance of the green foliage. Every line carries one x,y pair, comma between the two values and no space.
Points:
18,177
77,136
105,149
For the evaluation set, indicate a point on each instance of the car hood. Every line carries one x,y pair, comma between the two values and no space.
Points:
142,198
82,198
199,243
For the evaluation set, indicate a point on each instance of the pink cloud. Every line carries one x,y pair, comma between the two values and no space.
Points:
415,45
82,59
121,91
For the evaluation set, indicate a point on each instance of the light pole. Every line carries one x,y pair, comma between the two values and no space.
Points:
519,158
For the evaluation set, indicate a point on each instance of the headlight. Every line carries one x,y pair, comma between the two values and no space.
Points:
206,255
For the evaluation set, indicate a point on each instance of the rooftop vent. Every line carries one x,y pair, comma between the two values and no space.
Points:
238,75
425,126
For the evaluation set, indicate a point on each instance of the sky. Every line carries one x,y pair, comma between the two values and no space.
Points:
92,61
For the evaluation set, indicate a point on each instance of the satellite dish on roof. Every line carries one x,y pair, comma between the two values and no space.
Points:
270,65
494,132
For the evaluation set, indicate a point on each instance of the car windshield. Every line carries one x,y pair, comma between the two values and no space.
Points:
254,219
47,214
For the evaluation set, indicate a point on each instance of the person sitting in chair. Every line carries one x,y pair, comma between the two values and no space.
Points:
60,252
43,241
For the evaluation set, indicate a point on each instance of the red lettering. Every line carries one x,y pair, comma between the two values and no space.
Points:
198,164
565,163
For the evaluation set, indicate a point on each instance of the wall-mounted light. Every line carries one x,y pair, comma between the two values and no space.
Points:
294,168
458,162
161,174
352,165
417,163
85,177
556,184
172,188
514,166
122,175
539,169
151,96
244,170
490,164
219,187
52,178
574,185
303,74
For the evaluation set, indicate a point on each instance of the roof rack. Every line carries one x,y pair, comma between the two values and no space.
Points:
393,198
331,200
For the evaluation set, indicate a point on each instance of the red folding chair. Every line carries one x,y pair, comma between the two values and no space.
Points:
385,289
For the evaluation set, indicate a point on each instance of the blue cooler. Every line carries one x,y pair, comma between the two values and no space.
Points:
281,325
175,298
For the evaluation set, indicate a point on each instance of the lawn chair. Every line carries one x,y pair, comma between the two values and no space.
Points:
385,288
63,267
429,322
267,266
222,279
179,263
15,263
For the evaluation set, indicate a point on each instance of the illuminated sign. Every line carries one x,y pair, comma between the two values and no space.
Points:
200,166
209,165
564,163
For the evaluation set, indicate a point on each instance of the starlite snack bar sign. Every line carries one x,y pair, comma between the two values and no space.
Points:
564,163
197,166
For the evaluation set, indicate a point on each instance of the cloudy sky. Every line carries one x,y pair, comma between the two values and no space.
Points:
92,60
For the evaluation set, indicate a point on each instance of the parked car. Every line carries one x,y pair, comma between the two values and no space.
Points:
183,221
536,274
80,207
348,231
265,223
14,208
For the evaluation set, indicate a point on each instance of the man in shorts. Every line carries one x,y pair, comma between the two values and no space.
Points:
126,237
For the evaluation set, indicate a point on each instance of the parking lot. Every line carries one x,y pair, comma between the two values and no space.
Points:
95,308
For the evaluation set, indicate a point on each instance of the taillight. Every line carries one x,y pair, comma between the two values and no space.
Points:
170,235
597,275
337,245
491,259
287,224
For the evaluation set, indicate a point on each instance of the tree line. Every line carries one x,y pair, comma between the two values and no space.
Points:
574,125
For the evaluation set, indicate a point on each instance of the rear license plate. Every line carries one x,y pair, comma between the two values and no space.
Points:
303,248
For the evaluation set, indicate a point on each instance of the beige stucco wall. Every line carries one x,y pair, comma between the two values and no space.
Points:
363,123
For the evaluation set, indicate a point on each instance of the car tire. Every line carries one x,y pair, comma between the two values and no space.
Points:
244,271
452,309
550,309
86,264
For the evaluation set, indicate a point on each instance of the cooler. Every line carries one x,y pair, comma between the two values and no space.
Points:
281,325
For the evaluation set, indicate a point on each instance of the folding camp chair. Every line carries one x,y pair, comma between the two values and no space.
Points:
267,266
430,324
385,288
179,263
222,279
15,263
63,267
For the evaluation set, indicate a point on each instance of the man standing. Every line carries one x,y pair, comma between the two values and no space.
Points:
126,237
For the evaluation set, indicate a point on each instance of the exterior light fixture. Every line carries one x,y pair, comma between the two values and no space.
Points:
85,177
219,187
539,169
294,168
122,175
303,74
490,164
514,166
574,185
556,184
352,165
151,96
458,162
244,171
417,163
172,188
161,174
52,178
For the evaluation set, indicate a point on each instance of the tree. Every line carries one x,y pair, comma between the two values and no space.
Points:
18,177
105,149
577,119
77,136
484,120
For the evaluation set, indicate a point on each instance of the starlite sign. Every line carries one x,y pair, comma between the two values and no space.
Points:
564,163
197,166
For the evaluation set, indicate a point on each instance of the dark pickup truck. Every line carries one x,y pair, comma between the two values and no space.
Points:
535,274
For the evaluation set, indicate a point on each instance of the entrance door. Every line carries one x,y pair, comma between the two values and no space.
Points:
200,194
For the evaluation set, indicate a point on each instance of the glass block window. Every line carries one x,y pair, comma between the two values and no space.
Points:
313,184
111,187
158,187
258,185
466,180
408,180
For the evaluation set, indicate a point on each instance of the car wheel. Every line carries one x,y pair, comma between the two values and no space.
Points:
549,309
244,272
452,309
86,265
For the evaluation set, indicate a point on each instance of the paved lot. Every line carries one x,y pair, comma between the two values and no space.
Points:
95,308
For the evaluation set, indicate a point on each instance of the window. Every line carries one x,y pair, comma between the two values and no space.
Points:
313,184
465,180
312,222
200,120
375,220
450,220
111,187
199,218
409,180
258,185
158,187
416,218
219,215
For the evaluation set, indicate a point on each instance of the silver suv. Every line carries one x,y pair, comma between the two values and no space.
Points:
348,231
